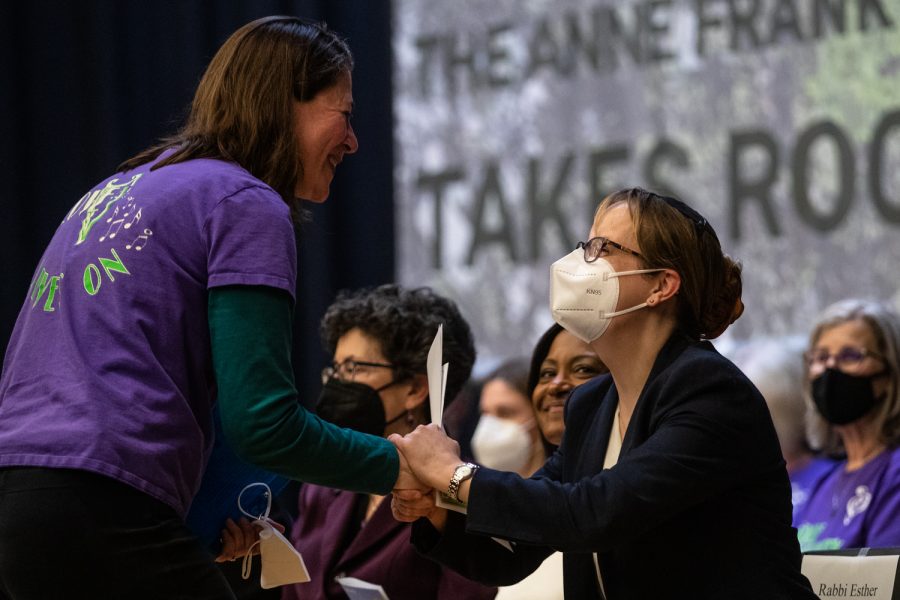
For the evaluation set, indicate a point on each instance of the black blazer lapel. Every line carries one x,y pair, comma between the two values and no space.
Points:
591,421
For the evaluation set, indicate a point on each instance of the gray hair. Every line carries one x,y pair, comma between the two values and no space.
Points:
885,326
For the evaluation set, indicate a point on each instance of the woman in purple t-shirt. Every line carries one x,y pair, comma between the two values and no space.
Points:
853,394
168,291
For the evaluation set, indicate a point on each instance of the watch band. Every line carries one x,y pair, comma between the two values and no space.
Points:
462,472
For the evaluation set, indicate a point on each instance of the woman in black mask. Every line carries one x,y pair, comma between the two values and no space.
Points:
379,339
854,411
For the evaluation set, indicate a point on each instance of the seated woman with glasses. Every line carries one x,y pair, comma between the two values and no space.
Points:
669,481
377,384
853,397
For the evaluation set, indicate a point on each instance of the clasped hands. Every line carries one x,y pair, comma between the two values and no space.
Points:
428,458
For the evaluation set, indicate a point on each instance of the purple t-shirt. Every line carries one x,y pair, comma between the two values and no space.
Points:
109,367
806,480
858,509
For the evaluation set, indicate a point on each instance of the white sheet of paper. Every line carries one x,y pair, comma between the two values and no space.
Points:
444,389
357,589
871,577
436,376
437,387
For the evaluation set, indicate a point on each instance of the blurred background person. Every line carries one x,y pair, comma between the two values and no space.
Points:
775,366
377,384
853,393
507,436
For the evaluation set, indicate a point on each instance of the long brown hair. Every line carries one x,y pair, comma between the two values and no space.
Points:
242,109
674,236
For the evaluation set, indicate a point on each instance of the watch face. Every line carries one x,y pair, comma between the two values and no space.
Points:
465,471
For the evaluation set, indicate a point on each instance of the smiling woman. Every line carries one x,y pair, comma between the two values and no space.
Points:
559,364
324,136
199,319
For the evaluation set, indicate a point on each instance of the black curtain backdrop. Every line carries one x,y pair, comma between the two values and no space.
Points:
85,84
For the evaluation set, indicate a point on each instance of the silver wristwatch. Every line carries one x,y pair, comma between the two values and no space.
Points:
462,472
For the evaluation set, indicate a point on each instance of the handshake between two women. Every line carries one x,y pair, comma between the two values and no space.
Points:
428,461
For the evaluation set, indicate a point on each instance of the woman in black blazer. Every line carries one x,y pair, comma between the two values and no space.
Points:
669,482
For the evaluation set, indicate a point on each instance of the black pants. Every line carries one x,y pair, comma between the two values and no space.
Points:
73,534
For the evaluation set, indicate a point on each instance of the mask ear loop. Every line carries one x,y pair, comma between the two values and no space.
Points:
625,311
247,563
268,495
634,272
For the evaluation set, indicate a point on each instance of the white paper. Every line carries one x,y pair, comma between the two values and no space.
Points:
357,589
443,391
436,376
437,387
870,577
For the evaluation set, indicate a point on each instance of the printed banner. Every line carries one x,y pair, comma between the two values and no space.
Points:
779,120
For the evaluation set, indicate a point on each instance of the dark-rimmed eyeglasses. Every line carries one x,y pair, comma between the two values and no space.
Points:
348,368
594,248
845,357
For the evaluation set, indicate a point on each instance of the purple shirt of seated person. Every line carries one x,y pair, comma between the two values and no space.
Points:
853,509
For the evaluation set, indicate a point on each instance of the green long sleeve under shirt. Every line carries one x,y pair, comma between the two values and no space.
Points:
250,331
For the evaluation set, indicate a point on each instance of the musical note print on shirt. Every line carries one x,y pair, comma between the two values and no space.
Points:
109,195
120,215
140,241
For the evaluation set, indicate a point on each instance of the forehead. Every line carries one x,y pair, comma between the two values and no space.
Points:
566,346
498,392
615,223
856,333
358,345
341,93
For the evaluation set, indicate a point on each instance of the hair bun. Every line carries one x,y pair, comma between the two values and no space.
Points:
726,307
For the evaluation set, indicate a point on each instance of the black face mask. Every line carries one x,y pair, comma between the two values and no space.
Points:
354,405
843,398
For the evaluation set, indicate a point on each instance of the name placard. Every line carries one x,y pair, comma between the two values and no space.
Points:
871,577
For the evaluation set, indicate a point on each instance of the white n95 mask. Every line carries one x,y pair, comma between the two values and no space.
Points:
583,295
281,563
501,444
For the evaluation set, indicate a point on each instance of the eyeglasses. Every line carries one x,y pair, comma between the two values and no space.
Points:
845,357
348,368
594,248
